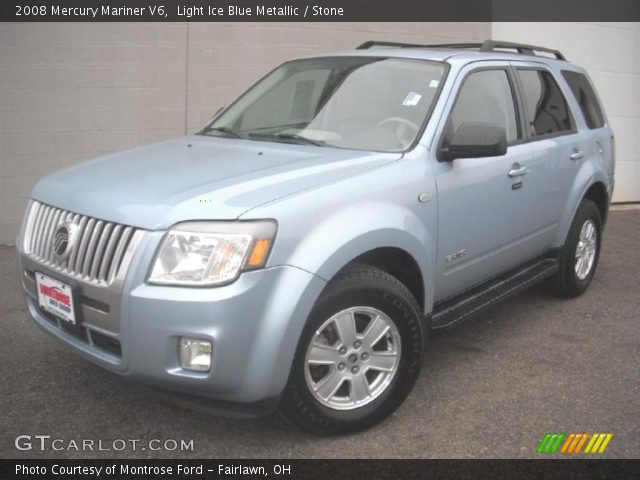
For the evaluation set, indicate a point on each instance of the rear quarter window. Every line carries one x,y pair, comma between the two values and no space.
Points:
585,96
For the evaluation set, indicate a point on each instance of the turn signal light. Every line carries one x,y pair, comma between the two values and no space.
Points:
259,253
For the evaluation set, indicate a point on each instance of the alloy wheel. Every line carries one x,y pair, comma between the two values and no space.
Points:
586,249
352,358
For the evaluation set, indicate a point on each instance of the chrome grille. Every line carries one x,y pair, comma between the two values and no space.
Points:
100,249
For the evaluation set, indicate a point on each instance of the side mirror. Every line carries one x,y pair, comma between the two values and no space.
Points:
475,140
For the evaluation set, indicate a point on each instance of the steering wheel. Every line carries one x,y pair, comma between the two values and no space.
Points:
405,129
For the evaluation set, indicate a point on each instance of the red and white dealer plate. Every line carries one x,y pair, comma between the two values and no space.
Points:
55,297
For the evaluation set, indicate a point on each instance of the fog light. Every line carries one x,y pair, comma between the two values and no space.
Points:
195,354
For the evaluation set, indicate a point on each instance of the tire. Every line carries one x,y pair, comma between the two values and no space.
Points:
360,293
571,281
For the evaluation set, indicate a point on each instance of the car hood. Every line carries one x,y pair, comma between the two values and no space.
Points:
197,178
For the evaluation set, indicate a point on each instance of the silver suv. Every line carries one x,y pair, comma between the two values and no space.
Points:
296,252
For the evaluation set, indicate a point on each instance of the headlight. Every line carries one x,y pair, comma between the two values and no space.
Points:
212,253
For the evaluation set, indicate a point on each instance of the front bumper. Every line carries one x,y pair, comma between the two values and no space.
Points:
254,325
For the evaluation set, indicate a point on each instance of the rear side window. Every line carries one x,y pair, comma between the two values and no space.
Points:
546,108
586,98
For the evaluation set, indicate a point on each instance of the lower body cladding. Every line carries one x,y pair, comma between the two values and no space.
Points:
253,326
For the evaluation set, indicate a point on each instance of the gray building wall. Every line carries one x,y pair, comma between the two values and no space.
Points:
70,92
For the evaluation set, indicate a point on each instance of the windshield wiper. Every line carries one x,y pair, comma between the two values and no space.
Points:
301,139
286,137
226,130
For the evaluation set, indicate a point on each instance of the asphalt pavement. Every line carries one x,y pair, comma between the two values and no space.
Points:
490,388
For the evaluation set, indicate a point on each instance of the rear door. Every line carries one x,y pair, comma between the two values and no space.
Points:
558,148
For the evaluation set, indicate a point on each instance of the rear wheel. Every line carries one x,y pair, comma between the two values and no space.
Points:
359,355
580,254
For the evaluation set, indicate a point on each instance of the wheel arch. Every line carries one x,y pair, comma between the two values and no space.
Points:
590,183
372,231
597,193
399,253
399,264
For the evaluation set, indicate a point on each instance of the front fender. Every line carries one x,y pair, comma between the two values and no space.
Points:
349,232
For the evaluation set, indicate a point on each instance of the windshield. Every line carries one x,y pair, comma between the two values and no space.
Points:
363,103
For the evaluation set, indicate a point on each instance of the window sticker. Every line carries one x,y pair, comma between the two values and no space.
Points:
434,83
412,99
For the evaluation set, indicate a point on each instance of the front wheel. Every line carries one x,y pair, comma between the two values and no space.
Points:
359,354
580,254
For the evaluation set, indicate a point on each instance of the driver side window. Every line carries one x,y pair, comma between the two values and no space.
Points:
485,98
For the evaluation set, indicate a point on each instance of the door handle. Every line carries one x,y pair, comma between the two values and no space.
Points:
576,154
517,170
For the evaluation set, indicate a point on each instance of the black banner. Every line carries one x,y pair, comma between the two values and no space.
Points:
318,10
321,469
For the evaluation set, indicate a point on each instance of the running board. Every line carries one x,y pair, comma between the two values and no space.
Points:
466,304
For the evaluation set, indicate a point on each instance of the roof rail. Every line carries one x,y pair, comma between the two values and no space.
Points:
486,46
491,45
376,43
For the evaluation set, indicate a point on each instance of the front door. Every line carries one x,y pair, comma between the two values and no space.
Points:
485,219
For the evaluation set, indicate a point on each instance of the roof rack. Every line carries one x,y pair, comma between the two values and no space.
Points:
486,46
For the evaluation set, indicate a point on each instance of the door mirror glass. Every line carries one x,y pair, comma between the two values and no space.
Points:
476,140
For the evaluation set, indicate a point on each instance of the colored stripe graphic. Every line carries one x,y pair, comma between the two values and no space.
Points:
606,441
594,437
557,443
550,443
567,443
543,443
598,443
581,443
572,443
